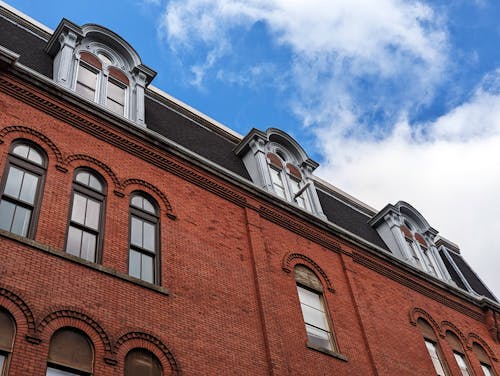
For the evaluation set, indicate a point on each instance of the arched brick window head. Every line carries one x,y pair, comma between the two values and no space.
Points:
7,334
70,353
21,187
141,362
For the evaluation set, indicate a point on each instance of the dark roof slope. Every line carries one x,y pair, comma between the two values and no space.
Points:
451,270
349,218
470,276
194,137
26,44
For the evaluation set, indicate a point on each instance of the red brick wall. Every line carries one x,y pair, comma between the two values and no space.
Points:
232,307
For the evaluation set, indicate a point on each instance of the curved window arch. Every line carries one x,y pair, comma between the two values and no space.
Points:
433,348
458,353
314,309
144,238
21,188
141,362
70,353
483,358
86,221
7,334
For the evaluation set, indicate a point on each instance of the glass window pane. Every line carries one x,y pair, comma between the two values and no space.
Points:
14,182
134,264
85,92
83,177
310,298
88,246
148,206
7,210
486,370
21,150
2,360
115,107
79,207
95,183
137,202
149,236
319,337
87,77
314,317
35,156
57,372
116,93
28,189
136,232
147,268
74,241
92,214
436,361
21,221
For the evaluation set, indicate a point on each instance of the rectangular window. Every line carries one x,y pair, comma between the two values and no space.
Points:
143,248
462,364
301,199
86,82
428,260
436,359
315,318
115,99
277,181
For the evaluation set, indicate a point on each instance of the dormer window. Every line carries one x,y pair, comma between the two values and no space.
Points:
100,67
279,165
410,238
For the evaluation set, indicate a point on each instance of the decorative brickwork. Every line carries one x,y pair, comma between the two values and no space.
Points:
292,259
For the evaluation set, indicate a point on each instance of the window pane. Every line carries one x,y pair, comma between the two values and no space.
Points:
310,298
87,77
314,317
57,372
14,182
6,214
136,232
486,370
21,150
28,189
92,214
134,264
88,246
149,207
115,107
83,177
436,361
137,202
2,361
149,236
74,241
85,92
147,268
79,206
318,337
116,93
95,183
21,221
34,156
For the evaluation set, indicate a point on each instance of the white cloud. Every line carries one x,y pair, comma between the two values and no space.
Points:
359,70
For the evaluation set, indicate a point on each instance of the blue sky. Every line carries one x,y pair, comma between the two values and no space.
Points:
395,99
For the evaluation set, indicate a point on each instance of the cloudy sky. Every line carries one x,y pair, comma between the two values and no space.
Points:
397,100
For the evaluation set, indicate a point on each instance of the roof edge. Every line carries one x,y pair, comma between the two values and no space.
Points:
26,21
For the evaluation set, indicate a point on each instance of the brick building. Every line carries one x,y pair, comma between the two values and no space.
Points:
140,237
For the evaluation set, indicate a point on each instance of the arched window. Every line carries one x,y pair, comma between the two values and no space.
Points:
483,358
98,80
87,216
141,362
458,353
21,188
7,333
314,310
144,238
432,345
70,353
287,180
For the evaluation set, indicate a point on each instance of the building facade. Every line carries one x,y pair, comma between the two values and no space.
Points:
140,237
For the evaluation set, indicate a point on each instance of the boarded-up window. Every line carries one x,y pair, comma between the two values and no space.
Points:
140,362
71,350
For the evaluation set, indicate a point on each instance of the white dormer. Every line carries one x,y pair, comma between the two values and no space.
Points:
101,67
278,164
409,237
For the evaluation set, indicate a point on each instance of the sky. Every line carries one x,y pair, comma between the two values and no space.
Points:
396,99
